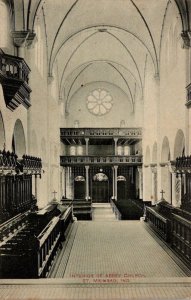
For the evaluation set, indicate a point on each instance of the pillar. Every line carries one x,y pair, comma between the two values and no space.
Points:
36,186
140,182
68,183
115,141
87,182
87,146
115,177
174,183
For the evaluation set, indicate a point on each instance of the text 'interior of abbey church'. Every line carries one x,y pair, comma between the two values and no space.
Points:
95,149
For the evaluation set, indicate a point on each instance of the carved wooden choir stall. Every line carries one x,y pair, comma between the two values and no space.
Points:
173,224
29,238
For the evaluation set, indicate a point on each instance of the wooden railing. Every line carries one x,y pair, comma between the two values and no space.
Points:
101,132
112,159
181,237
48,241
115,210
159,223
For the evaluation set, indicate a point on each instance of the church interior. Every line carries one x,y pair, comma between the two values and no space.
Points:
95,149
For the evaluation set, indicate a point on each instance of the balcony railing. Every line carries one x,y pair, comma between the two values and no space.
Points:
110,160
14,77
101,132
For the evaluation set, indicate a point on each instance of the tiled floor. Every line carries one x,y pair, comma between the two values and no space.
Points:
107,260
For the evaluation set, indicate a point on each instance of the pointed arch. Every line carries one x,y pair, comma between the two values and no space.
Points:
179,144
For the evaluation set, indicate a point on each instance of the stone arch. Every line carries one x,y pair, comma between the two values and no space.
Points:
165,151
154,153
18,141
2,132
179,144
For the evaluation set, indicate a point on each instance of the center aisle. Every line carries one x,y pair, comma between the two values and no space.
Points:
120,250
123,248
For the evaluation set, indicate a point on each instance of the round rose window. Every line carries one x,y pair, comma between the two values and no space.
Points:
99,102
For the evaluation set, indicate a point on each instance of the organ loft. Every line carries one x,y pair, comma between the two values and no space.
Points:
95,139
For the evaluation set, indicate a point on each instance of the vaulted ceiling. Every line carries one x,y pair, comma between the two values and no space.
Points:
101,40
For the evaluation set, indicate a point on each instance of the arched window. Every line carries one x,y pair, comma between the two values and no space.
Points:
3,24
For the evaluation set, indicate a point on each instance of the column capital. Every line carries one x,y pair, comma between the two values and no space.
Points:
115,167
186,37
87,167
87,140
50,78
153,168
172,167
115,140
23,38
139,169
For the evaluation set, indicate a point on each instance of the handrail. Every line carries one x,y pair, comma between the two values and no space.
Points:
47,230
156,214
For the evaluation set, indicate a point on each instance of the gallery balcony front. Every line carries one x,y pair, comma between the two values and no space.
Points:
130,160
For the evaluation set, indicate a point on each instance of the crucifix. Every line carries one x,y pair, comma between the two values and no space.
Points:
54,194
162,192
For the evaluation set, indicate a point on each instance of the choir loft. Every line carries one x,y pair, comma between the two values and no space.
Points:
95,139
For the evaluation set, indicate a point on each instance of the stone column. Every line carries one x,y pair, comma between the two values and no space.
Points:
68,183
140,182
87,146
113,173
115,170
115,150
174,186
87,182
